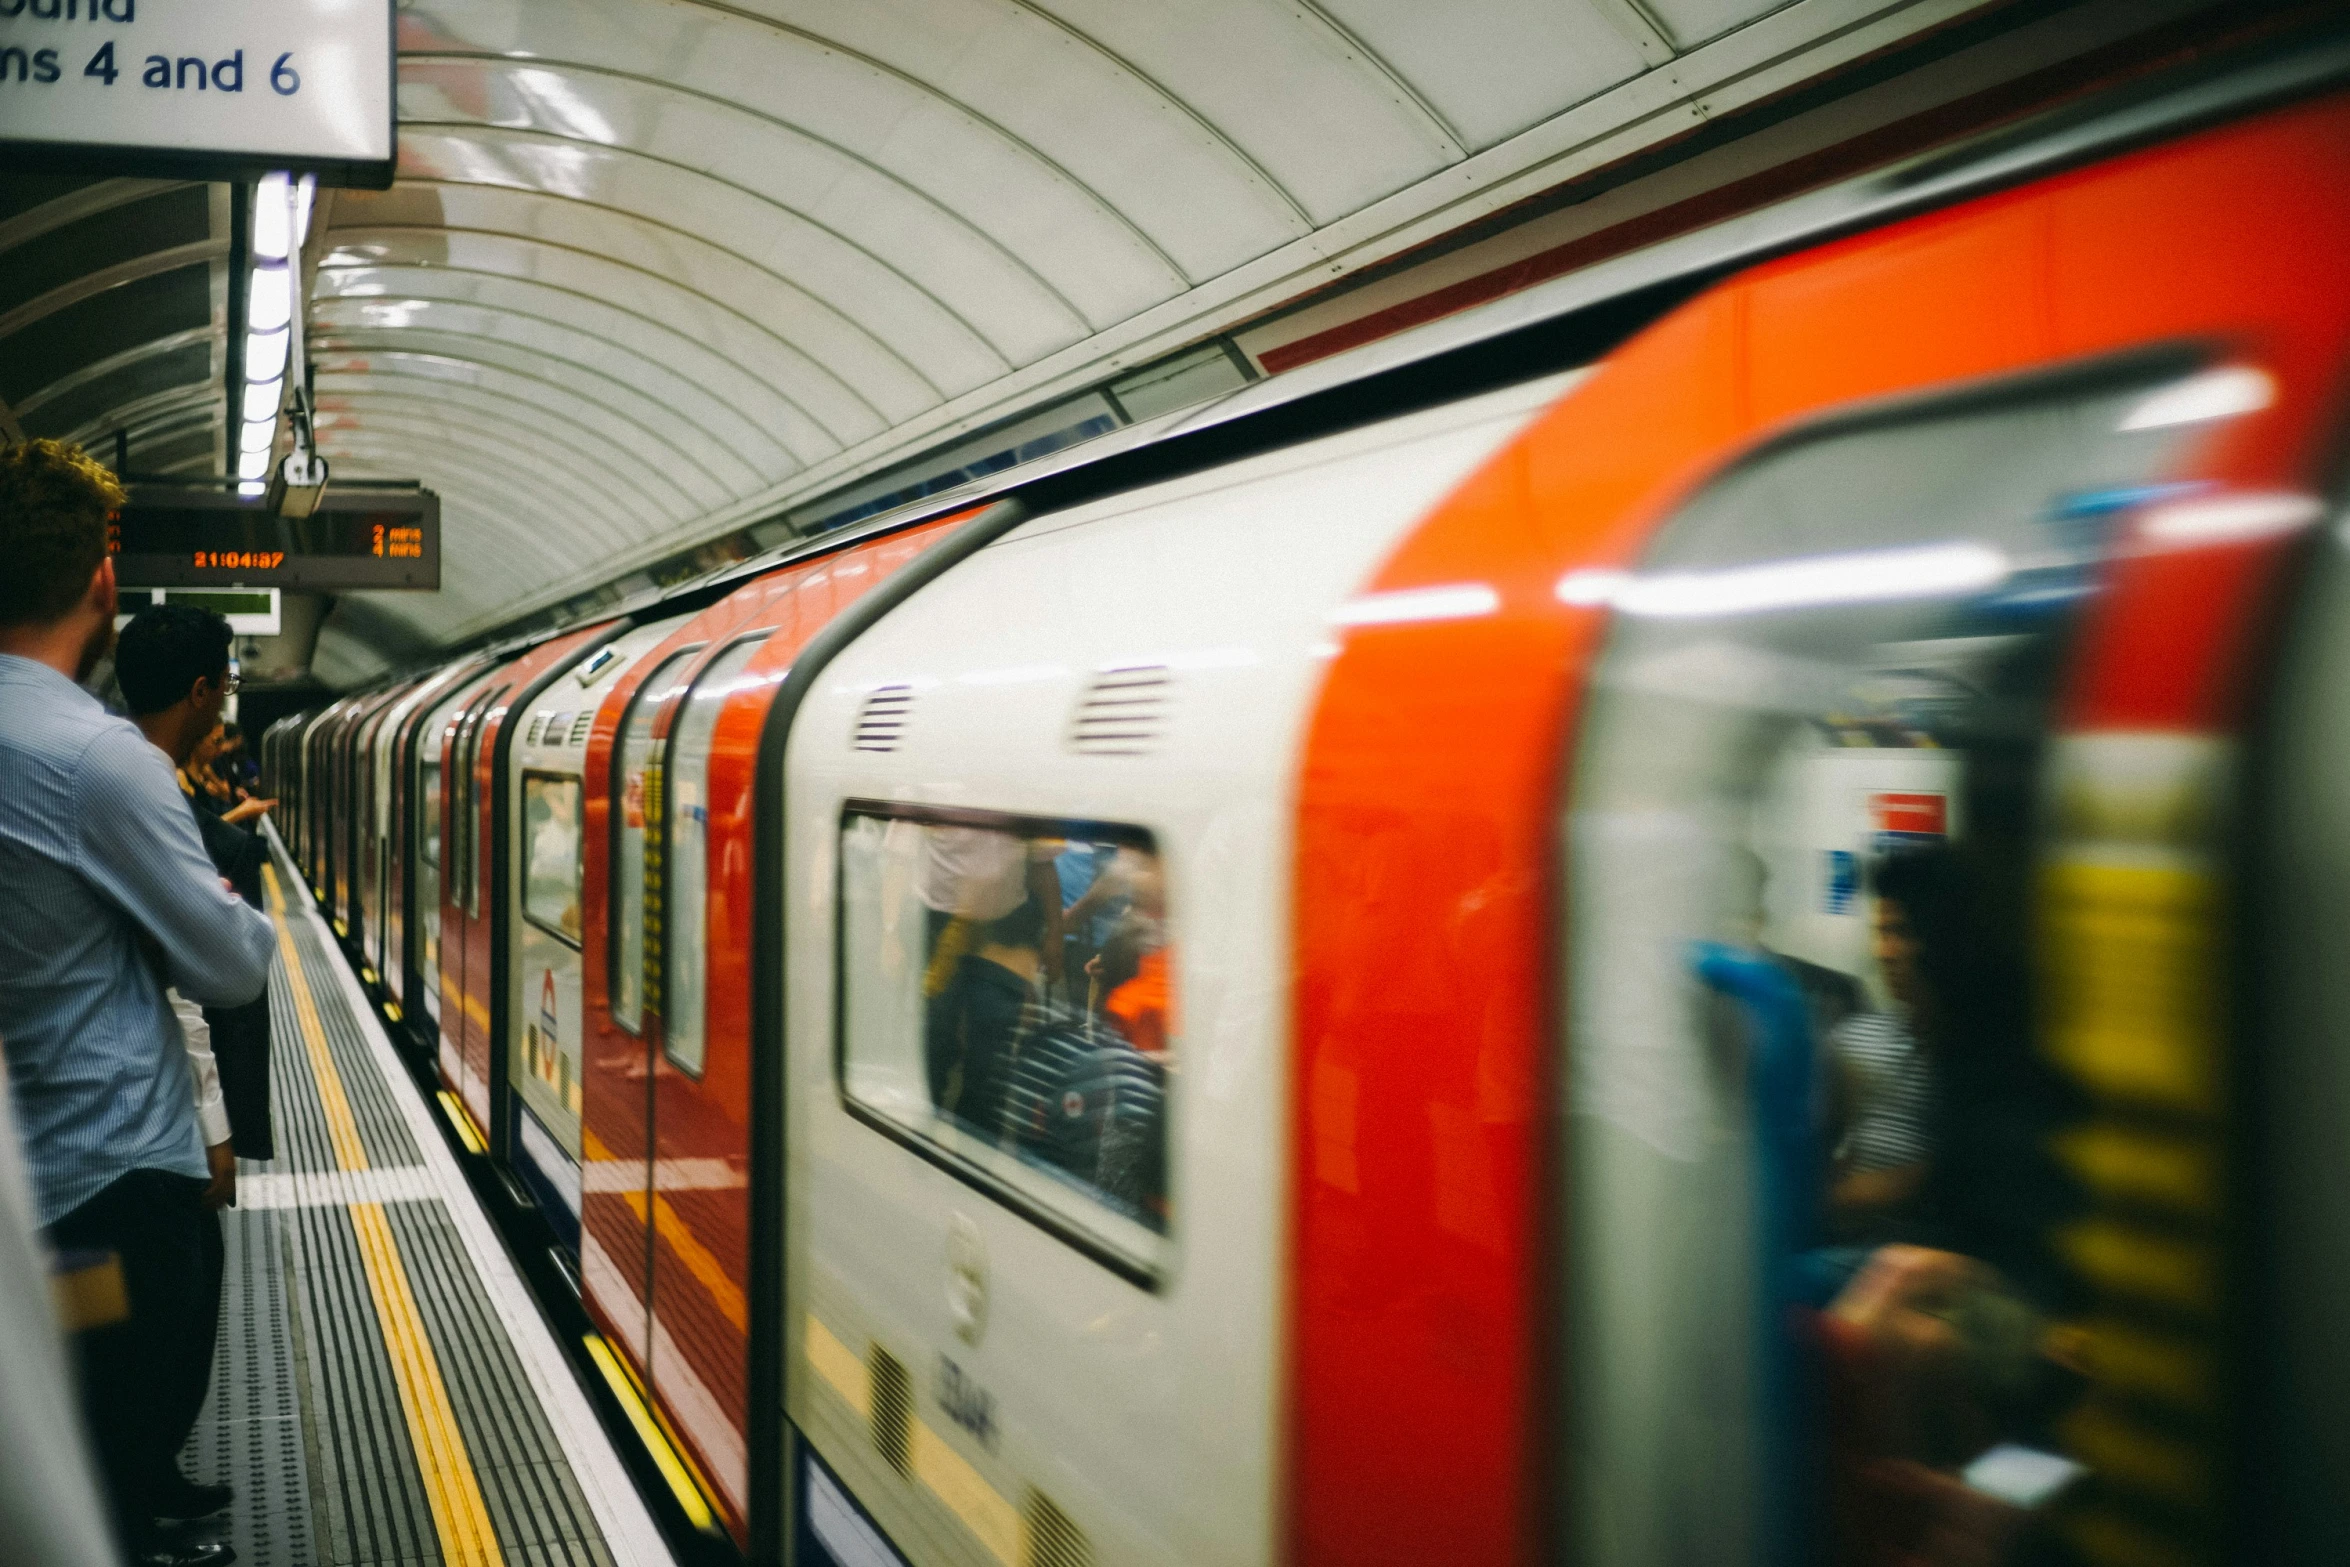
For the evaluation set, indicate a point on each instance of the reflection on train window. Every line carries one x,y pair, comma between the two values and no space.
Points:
428,880
636,785
687,896
428,808
1823,1299
551,867
1008,1001
469,803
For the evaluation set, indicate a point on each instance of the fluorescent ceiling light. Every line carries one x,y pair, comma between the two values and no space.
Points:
257,436
1872,576
2215,394
252,487
269,301
1454,601
265,354
2229,519
261,399
253,465
271,221
304,190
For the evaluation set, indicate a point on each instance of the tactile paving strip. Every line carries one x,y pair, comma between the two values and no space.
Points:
381,1130
306,1419
250,1434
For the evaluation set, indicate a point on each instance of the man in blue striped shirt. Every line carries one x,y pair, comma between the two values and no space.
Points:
106,896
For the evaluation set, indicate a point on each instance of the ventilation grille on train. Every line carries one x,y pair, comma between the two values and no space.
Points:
582,724
530,736
1123,712
1053,1541
881,722
893,1410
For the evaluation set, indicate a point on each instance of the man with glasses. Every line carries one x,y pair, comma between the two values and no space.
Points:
176,673
107,896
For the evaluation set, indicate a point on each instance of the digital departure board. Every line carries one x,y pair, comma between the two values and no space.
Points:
169,538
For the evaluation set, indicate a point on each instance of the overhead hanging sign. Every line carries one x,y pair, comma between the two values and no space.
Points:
207,89
169,537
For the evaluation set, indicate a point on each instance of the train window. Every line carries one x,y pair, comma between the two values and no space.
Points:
686,898
550,836
428,806
636,785
1825,1293
1007,1010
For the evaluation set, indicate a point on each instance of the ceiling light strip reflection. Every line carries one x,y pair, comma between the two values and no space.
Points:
1873,576
1454,601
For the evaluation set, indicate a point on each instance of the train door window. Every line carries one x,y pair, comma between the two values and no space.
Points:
636,787
469,798
550,841
686,897
1007,1012
1824,1292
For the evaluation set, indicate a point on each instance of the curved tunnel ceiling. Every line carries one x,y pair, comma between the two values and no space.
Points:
657,269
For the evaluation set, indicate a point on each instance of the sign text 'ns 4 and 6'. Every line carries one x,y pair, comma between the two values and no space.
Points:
205,88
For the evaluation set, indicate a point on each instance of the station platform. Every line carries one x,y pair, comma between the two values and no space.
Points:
387,1391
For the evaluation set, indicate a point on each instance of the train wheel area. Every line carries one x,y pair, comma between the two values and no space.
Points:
389,1390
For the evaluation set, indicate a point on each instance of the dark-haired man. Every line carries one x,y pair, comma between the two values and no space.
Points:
172,662
103,879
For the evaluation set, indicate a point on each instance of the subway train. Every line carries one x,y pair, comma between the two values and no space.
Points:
1693,918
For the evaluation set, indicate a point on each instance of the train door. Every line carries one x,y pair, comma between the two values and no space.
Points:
318,794
1809,1115
2292,1008
547,806
413,746
700,1126
465,947
340,871
388,780
434,847
344,812
367,865
616,1219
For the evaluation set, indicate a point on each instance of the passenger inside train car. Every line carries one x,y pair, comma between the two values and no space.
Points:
1006,986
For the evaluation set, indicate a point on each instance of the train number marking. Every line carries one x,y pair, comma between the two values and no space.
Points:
966,1403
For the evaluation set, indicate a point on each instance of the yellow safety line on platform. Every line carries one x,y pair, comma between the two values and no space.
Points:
460,1517
342,1129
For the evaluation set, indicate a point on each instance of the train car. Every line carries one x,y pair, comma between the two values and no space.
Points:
360,889
392,827
1722,955
1682,1023
667,1255
552,818
473,909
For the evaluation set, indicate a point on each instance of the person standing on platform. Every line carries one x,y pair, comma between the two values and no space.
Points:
106,895
172,662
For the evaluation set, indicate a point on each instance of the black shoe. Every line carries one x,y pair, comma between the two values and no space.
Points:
211,1553
190,1500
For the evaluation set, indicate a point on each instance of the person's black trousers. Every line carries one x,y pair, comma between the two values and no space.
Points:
240,1047
143,1379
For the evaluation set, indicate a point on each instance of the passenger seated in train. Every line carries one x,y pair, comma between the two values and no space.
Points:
1884,1071
968,876
1129,976
977,1008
